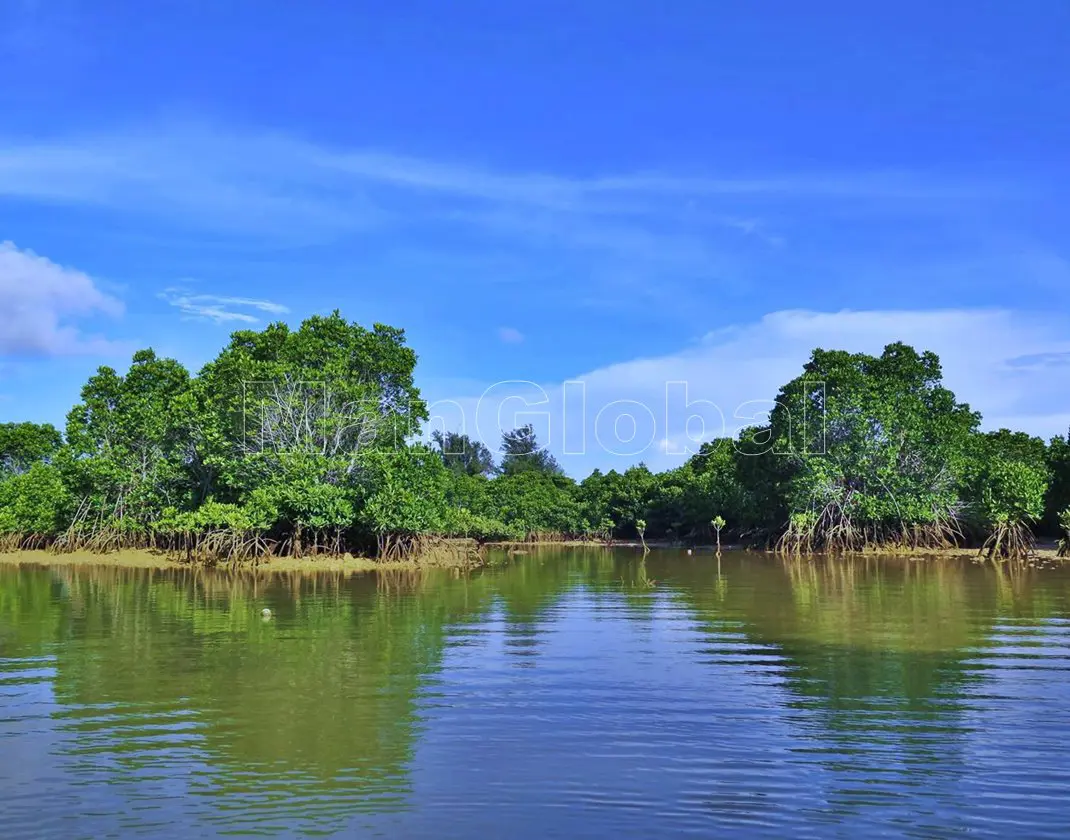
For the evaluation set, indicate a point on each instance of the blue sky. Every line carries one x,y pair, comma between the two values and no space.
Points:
623,194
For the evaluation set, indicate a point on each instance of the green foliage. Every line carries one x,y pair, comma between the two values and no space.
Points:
521,453
296,505
1007,478
462,454
682,502
295,440
605,527
403,491
125,453
329,390
623,497
717,523
210,516
875,448
34,503
1057,458
535,502
462,522
1005,483
24,444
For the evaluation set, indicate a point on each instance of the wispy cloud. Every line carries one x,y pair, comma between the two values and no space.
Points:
258,181
1040,361
41,303
561,193
212,181
510,335
218,308
630,237
756,228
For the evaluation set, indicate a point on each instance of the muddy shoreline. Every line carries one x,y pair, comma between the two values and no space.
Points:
142,559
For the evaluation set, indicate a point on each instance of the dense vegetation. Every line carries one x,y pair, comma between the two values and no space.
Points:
301,441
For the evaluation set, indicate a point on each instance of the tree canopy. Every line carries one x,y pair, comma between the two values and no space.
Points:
302,440
521,453
875,448
24,444
463,455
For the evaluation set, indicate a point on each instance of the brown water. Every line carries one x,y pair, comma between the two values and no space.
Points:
572,693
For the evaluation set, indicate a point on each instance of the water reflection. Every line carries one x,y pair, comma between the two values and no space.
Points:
591,692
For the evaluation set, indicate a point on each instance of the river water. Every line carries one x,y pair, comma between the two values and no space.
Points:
570,693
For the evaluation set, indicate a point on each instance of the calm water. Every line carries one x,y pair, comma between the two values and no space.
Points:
570,694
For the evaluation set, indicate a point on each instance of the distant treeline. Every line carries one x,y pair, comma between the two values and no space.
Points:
299,441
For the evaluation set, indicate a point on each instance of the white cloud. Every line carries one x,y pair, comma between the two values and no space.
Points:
220,308
211,180
510,335
732,375
40,300
556,192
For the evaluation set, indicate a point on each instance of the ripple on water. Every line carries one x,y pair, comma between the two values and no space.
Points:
551,698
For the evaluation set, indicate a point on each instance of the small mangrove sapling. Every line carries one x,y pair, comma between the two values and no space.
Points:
605,529
718,523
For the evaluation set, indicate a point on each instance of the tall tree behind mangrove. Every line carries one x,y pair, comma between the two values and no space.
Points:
521,452
462,454
24,444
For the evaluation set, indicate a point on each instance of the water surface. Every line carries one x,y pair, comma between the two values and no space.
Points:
572,693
